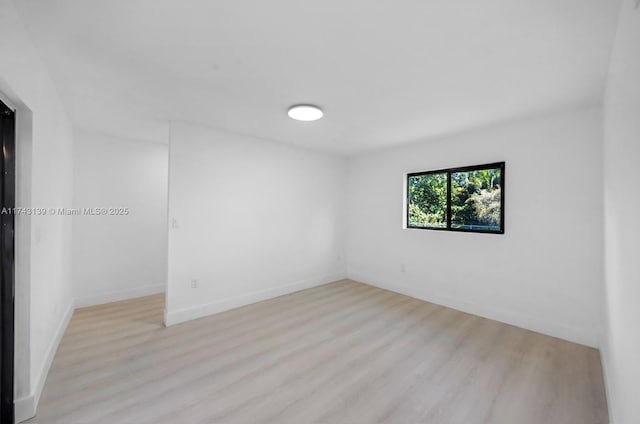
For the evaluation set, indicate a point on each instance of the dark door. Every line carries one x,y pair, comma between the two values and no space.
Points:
7,199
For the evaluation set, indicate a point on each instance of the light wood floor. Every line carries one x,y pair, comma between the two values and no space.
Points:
340,353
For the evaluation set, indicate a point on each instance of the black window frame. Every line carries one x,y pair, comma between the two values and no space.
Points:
448,172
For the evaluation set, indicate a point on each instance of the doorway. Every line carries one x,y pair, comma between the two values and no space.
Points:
7,258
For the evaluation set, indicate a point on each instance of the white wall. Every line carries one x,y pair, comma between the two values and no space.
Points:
544,273
621,345
119,256
43,243
255,219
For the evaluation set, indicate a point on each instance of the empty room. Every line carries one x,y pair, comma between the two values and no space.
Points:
338,212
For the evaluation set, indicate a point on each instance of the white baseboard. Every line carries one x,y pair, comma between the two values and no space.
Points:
606,375
25,407
199,311
115,296
575,335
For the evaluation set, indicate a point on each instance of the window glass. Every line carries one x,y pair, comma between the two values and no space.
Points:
476,199
428,200
470,198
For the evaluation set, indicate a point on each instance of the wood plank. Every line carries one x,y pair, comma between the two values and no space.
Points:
344,352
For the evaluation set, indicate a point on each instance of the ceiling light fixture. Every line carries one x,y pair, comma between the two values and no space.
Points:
305,112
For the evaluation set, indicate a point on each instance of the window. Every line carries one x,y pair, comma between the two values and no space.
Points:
458,199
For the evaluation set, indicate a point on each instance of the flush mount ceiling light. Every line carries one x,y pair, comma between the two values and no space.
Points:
305,112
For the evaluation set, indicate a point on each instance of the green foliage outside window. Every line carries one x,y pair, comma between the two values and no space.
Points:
428,200
475,199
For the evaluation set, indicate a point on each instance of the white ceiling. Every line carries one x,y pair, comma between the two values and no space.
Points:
386,72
